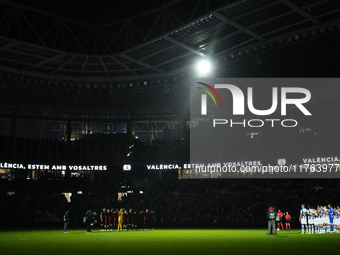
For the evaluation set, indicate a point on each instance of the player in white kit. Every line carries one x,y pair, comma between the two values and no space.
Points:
303,218
311,219
325,219
318,220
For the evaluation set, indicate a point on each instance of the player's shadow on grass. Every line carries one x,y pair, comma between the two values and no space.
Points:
81,233
280,236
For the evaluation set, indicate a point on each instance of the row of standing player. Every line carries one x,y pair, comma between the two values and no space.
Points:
320,220
118,220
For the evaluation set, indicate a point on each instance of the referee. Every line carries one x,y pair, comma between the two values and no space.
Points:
271,221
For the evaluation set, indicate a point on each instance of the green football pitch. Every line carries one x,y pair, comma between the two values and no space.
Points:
162,242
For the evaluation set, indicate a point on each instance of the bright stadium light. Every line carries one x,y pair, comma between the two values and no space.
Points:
204,66
126,167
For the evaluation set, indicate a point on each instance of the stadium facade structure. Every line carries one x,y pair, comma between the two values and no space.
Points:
62,77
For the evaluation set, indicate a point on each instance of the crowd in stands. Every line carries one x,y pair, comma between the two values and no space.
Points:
314,136
163,152
183,201
178,201
241,201
31,208
47,151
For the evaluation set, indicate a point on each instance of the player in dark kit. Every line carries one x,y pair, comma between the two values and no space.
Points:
134,220
141,220
129,219
111,219
102,219
152,219
125,219
115,219
146,219
107,220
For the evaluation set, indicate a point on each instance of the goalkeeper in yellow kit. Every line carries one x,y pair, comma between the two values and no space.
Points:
120,220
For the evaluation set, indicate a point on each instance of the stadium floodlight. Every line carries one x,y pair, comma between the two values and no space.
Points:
126,167
204,66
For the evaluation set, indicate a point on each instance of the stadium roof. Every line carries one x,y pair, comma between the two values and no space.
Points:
107,58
